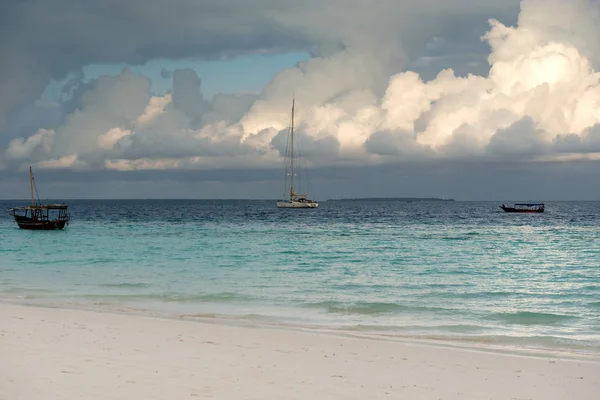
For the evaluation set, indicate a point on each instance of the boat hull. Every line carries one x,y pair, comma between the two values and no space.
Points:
39,225
514,210
296,204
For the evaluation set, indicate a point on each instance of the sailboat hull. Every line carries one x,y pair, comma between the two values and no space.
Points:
297,204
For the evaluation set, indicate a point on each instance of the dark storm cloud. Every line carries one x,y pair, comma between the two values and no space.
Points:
40,40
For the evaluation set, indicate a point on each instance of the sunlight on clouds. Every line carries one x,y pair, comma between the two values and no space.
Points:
24,148
542,85
155,107
63,162
109,139
141,164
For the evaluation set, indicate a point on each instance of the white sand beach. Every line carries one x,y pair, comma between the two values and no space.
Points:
49,353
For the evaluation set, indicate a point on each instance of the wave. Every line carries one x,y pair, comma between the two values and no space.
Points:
28,291
210,298
475,295
302,268
522,343
590,287
449,236
126,285
291,252
100,260
370,308
417,330
532,318
170,297
594,304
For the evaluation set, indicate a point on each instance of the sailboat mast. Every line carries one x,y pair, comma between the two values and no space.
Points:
292,152
31,186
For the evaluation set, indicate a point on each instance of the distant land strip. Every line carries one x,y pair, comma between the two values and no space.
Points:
392,199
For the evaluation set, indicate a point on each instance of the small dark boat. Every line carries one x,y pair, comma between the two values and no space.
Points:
524,208
42,217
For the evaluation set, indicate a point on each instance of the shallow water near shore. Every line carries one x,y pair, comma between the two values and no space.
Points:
443,270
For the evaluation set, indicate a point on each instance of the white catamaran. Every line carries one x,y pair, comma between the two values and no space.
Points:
295,200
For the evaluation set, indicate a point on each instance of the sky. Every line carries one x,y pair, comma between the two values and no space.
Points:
470,100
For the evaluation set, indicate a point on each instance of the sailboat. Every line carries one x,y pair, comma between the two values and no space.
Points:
46,217
295,200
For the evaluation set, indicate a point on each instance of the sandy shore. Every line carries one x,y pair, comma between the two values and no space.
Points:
72,354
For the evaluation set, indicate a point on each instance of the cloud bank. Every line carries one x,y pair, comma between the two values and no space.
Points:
540,100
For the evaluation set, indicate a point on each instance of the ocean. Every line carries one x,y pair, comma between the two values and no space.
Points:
443,270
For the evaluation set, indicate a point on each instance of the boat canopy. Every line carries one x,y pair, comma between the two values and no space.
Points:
529,204
43,207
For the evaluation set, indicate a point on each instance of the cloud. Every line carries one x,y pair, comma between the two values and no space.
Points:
50,39
228,108
519,139
187,94
587,142
309,146
117,32
539,101
396,145
33,147
165,73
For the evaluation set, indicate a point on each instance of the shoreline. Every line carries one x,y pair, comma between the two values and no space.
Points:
498,344
53,353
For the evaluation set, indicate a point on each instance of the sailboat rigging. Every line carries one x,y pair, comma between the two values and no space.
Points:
295,200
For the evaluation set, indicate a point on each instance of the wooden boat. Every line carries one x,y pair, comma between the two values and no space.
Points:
44,217
524,208
293,200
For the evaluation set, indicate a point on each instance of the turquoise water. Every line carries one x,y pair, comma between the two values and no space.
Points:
443,270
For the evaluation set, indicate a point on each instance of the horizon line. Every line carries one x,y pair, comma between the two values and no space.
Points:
438,199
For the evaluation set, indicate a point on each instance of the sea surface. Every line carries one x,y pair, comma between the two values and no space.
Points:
450,271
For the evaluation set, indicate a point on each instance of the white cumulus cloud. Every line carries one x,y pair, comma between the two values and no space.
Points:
541,99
